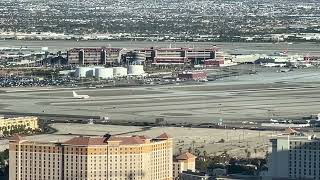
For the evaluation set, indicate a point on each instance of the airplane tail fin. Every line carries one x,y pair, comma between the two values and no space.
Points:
74,94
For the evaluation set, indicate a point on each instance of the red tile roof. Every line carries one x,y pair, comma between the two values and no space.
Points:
163,136
145,137
290,131
16,138
91,141
186,156
127,140
86,141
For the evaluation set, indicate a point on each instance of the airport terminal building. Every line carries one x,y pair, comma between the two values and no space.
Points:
94,56
153,56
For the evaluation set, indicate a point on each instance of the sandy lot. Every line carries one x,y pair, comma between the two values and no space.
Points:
203,139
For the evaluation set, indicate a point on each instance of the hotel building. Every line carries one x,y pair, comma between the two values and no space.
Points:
294,156
92,158
8,124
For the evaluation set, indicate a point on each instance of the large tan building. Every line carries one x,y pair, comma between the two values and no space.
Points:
8,124
92,158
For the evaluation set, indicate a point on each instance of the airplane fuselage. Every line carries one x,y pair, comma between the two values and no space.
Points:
78,96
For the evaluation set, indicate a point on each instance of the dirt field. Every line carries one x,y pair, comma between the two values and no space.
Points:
196,138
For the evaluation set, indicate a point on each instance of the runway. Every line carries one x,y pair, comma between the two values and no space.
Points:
246,98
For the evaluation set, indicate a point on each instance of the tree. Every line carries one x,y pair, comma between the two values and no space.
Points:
197,152
205,154
225,152
4,167
267,155
255,152
193,143
246,151
248,154
201,164
5,133
4,157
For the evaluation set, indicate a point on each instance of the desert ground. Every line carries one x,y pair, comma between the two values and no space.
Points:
203,139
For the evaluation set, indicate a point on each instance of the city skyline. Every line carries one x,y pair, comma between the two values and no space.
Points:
162,19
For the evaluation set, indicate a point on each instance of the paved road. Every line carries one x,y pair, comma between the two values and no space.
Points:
247,48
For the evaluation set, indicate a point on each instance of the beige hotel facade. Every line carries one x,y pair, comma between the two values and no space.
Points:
93,158
8,124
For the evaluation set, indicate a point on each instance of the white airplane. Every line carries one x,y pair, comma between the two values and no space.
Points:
284,70
78,96
273,65
308,65
273,120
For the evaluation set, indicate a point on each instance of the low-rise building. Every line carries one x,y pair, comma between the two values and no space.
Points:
184,162
189,175
193,75
239,177
9,124
217,172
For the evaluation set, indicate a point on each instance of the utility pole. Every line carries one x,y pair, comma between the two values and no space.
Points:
243,134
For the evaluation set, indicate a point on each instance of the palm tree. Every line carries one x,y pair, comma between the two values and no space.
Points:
197,152
248,155
246,151
193,143
205,154
255,152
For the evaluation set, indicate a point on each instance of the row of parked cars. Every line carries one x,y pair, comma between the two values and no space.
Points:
35,82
